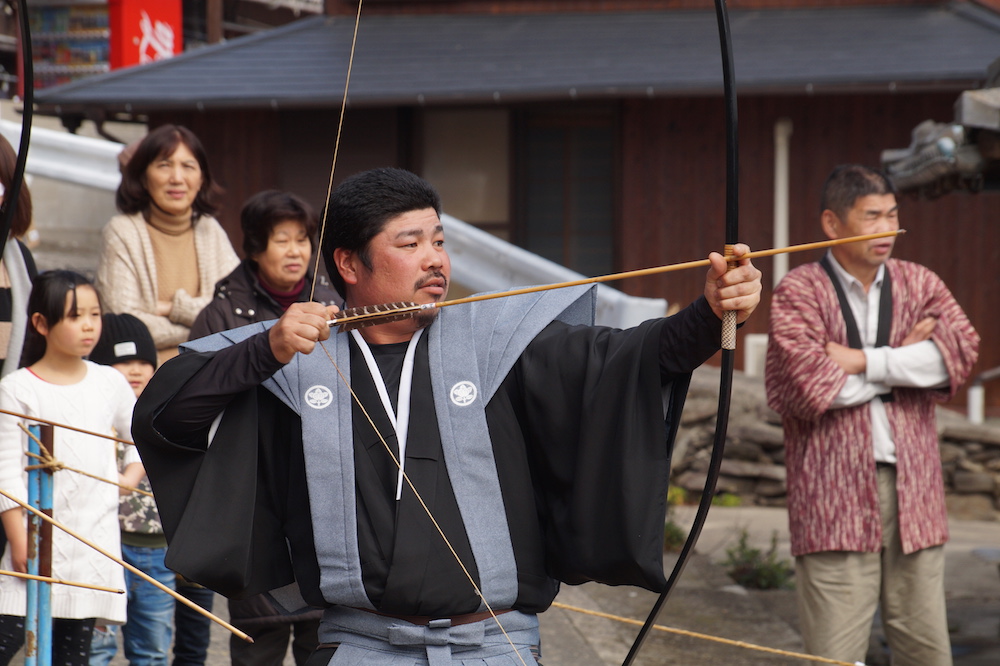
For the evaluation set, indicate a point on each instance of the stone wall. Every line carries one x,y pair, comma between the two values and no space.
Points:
753,467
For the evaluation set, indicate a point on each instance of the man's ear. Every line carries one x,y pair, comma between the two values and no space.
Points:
830,223
39,323
347,264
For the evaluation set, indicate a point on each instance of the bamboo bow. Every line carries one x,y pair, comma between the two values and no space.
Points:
728,331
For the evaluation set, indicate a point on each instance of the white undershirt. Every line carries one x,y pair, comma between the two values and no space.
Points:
918,365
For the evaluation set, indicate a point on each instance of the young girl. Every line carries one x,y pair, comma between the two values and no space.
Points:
64,324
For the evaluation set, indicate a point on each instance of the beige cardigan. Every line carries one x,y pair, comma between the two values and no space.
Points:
126,275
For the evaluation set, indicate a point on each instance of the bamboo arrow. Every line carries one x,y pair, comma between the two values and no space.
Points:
379,314
56,581
138,572
38,419
51,464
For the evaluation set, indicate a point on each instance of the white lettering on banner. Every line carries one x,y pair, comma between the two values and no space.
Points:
156,41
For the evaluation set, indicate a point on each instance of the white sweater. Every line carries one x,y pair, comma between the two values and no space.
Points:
102,401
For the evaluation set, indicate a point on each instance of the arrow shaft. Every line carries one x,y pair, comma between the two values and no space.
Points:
655,270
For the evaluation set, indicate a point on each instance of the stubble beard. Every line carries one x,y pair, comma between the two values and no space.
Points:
424,318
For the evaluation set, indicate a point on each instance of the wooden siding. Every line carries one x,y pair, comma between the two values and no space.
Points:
308,137
250,151
242,147
672,184
674,191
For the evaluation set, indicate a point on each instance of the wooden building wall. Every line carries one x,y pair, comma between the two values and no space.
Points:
250,150
672,186
674,191
242,147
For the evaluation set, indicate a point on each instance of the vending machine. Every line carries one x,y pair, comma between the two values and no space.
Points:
72,39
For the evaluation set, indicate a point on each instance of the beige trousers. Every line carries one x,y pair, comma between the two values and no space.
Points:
839,591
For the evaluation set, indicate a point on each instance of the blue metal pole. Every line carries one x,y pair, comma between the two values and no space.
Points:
31,610
45,555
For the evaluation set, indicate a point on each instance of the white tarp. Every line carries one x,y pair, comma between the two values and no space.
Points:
68,157
483,262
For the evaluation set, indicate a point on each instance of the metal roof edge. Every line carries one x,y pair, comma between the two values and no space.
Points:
321,102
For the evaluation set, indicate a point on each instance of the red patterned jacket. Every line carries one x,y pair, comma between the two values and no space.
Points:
832,489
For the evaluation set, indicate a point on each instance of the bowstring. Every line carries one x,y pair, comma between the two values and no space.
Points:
388,449
336,148
427,510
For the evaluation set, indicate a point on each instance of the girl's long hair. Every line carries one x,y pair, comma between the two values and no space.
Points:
48,298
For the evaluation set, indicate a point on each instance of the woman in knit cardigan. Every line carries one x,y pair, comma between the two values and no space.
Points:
160,259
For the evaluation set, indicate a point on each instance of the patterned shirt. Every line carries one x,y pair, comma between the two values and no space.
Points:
832,489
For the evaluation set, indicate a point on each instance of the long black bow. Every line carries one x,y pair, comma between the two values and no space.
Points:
9,206
728,355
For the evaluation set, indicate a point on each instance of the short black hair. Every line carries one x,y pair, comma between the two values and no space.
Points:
849,182
363,204
264,210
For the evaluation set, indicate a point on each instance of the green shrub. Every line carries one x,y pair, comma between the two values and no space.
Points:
676,496
726,499
752,568
673,536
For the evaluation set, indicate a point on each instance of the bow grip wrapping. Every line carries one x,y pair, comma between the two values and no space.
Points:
729,317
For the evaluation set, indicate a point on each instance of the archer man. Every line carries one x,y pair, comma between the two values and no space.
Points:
536,441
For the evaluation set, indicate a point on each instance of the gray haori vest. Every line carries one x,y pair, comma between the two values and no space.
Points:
471,349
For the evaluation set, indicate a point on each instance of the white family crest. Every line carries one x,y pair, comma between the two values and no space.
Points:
318,396
463,393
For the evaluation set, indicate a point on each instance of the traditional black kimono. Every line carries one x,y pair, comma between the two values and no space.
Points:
576,433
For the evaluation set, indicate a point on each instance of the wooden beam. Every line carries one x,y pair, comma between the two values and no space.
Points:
213,21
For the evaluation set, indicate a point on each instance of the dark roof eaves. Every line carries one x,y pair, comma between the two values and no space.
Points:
504,90
523,97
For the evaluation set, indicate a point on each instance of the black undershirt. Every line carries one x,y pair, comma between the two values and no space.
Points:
406,567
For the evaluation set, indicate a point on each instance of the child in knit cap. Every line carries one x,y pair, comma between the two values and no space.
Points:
127,345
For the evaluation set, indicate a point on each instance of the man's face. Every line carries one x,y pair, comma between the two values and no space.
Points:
409,263
870,214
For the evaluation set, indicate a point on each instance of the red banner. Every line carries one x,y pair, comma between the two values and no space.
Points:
144,31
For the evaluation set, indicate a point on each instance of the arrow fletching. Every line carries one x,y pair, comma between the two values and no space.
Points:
371,315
